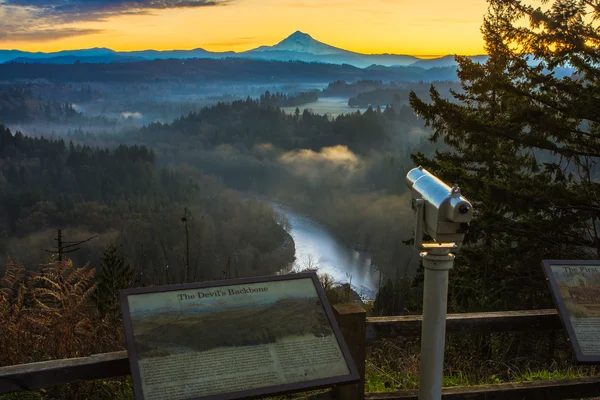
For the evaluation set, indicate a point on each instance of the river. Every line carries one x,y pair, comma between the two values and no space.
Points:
318,248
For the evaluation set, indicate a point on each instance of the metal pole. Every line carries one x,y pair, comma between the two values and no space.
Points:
437,264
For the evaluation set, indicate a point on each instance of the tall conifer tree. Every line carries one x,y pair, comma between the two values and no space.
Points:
113,275
525,140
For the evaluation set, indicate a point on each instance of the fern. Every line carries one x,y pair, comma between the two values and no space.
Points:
12,278
52,314
52,306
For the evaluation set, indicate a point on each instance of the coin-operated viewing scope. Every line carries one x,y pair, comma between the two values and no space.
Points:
442,212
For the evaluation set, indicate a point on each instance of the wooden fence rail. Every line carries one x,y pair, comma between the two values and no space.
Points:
357,330
504,321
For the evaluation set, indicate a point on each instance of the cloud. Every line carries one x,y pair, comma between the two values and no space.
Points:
43,35
134,115
335,164
263,147
32,19
86,9
337,155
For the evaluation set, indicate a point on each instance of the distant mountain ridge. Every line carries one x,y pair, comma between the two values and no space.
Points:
299,46
72,59
218,70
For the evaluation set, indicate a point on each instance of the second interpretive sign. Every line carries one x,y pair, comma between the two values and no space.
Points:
575,286
235,339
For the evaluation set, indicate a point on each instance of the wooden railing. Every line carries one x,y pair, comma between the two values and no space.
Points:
357,331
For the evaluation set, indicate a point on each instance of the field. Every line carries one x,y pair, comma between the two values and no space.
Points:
162,335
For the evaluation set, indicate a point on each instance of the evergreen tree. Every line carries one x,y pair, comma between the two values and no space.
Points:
391,297
525,146
114,275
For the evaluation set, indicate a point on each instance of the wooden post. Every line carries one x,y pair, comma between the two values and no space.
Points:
352,319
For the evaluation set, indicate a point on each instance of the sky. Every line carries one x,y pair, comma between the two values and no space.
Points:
416,27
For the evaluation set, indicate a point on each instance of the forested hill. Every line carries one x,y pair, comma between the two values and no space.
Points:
121,196
38,170
26,103
398,95
18,105
231,70
43,183
248,123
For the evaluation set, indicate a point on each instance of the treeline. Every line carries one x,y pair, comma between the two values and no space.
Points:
53,104
248,123
121,196
19,105
246,144
37,169
341,88
207,70
56,91
288,100
397,94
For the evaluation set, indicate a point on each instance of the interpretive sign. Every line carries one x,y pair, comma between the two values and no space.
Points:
235,339
575,288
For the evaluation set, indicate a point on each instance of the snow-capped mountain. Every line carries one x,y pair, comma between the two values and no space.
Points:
301,42
300,46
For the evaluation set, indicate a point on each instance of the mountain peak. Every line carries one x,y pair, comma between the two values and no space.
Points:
299,35
300,42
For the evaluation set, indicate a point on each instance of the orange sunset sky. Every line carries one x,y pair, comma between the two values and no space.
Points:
417,27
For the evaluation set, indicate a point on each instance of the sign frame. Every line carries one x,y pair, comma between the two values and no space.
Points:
353,377
562,308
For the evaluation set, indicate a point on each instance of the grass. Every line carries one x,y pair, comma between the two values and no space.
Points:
378,378
391,365
544,375
381,380
112,389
